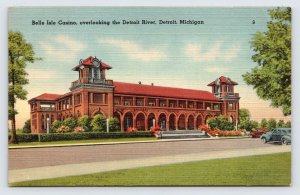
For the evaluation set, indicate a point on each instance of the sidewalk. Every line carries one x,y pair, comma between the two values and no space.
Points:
47,172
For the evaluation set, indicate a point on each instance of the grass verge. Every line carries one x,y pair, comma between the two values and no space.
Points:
274,169
83,141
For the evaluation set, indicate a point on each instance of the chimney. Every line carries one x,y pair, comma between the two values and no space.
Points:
140,82
152,84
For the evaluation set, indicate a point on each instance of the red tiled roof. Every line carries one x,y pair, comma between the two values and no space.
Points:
89,62
47,96
140,89
223,79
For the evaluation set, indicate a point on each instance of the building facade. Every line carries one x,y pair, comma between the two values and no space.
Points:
135,105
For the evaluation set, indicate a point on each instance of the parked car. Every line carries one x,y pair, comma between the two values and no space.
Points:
281,135
258,132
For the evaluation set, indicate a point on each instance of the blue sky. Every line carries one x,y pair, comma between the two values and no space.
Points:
186,56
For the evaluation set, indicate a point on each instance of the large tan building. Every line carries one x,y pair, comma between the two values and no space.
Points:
136,105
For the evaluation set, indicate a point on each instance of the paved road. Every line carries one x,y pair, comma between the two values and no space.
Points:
40,157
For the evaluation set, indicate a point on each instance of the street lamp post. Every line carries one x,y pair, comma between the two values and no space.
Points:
47,125
107,125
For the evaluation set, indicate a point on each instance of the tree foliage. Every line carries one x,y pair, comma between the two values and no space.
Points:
27,127
281,123
55,125
70,122
19,54
99,123
263,123
244,114
85,123
272,123
272,77
221,122
114,124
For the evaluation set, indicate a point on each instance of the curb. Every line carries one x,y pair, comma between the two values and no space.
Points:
125,142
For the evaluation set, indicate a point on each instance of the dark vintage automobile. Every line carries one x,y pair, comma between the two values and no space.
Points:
280,135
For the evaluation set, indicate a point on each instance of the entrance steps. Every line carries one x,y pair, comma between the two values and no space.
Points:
182,134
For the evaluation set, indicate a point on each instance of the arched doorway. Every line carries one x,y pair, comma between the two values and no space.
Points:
172,122
198,121
191,122
140,121
151,120
162,121
181,122
128,120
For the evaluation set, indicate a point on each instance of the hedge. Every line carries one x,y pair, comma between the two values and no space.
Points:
26,137
80,136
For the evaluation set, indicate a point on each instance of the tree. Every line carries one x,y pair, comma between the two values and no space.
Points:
85,122
244,114
19,54
280,123
70,122
27,127
249,125
272,77
221,122
55,125
263,123
99,123
288,124
114,124
271,123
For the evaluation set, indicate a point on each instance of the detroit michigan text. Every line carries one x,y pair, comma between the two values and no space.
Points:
116,22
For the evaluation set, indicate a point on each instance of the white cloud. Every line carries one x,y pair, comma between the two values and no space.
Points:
196,53
62,48
134,50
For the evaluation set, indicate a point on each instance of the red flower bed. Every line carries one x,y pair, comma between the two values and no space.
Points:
155,130
131,129
220,133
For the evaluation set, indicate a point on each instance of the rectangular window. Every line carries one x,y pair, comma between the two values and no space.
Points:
230,106
97,98
172,103
140,102
77,99
162,103
117,100
216,107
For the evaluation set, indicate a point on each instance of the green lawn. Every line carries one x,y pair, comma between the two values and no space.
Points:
84,141
259,170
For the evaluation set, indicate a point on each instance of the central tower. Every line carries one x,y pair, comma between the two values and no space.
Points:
92,92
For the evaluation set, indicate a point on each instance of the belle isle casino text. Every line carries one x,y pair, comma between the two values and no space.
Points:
116,22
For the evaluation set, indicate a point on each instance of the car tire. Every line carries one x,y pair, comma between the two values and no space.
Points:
264,140
284,142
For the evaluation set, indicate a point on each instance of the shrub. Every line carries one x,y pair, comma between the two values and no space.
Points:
99,123
27,127
70,122
55,125
27,137
114,124
92,135
85,123
220,122
78,129
63,129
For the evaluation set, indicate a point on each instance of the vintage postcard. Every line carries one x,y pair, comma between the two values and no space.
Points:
149,96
